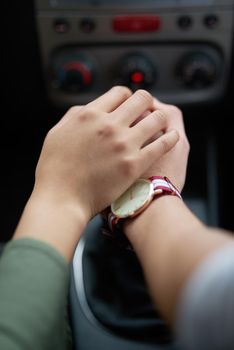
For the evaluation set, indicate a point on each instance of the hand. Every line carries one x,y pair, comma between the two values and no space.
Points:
172,164
96,151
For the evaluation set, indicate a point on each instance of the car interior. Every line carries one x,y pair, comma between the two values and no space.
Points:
60,53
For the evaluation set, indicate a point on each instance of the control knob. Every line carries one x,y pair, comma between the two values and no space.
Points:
197,70
136,71
72,72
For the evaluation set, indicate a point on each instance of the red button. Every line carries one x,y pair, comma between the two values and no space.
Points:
137,77
136,23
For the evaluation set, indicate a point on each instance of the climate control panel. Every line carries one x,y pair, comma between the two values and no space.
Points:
182,73
181,53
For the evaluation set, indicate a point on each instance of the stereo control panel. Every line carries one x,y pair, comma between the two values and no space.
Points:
178,50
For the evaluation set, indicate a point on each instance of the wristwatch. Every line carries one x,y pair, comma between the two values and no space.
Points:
137,198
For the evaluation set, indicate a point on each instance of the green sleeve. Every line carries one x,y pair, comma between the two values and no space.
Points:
34,281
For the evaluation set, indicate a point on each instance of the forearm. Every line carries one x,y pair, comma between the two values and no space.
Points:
34,282
56,222
170,243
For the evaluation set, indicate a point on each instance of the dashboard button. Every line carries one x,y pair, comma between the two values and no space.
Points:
211,21
87,25
136,23
61,26
185,22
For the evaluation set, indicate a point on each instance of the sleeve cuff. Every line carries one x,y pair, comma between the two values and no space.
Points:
205,315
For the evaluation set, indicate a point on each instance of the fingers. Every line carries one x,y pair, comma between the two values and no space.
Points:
134,107
158,148
158,103
175,121
175,116
151,126
112,99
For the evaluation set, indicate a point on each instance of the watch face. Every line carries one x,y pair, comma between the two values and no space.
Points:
134,199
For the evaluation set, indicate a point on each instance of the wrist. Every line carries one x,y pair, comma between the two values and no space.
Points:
135,200
137,228
56,222
160,223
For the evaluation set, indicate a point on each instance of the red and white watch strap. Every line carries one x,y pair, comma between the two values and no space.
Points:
163,185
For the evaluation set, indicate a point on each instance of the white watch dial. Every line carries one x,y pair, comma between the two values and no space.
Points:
133,199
